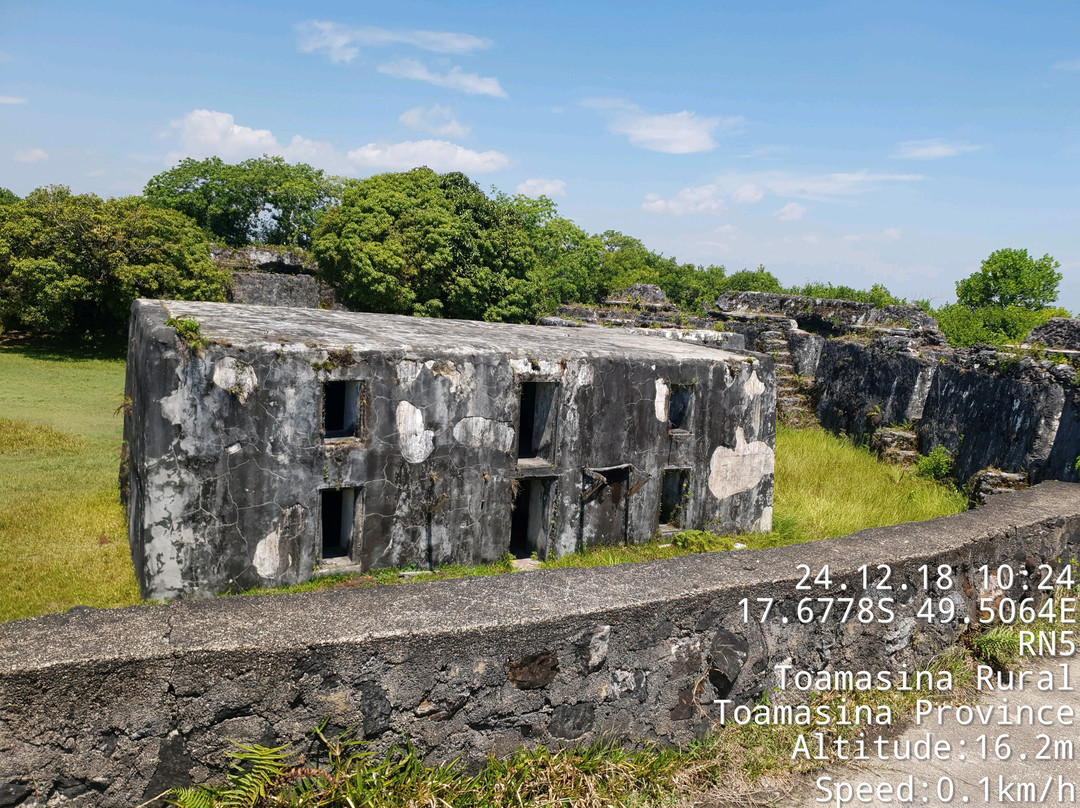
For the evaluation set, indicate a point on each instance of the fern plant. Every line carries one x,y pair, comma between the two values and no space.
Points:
254,770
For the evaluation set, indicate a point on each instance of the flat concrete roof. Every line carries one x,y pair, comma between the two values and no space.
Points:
258,326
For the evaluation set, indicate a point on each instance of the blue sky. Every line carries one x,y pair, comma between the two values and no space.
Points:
853,142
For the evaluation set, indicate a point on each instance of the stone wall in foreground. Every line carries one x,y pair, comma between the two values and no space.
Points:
113,707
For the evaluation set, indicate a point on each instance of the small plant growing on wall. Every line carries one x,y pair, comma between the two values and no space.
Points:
937,465
188,330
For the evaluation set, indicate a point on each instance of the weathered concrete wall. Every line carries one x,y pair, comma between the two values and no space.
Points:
112,707
273,289
229,457
823,314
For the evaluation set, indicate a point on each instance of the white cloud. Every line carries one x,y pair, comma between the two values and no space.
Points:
436,119
203,133
1067,64
456,79
889,234
933,149
541,187
702,199
439,155
11,99
791,212
813,187
748,194
341,43
30,156
683,132
750,188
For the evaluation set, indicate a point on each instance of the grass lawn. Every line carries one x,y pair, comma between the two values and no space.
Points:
63,537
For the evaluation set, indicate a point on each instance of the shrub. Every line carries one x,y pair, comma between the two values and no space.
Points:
937,465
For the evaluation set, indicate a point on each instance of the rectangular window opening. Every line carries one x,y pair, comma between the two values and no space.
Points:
341,514
674,489
531,517
341,409
536,422
680,406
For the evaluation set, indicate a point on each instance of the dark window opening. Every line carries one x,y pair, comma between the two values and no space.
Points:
536,422
531,517
341,409
680,405
604,506
674,488
339,515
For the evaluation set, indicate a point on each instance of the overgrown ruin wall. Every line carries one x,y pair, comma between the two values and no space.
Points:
113,707
861,367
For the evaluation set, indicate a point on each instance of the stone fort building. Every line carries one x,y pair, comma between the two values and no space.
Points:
273,442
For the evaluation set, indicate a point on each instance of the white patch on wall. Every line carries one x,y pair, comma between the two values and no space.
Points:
732,471
271,559
417,443
540,367
660,404
753,386
484,433
235,377
764,524
408,371
584,374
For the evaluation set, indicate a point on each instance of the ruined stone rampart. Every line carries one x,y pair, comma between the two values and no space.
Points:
112,707
1059,332
859,368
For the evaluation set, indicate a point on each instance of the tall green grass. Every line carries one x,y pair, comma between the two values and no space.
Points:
63,538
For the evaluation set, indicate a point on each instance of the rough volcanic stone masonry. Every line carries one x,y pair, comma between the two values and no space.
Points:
285,440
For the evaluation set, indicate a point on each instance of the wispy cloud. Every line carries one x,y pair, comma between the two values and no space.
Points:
702,199
30,156
436,119
747,188
541,187
683,132
205,133
791,212
439,155
933,149
881,237
748,194
342,43
1067,64
456,79
11,99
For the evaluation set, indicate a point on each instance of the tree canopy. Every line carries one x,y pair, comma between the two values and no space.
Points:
422,243
1011,277
262,200
72,264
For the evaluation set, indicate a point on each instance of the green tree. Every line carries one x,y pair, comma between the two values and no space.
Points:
422,243
566,260
7,197
1011,277
752,280
72,264
262,200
